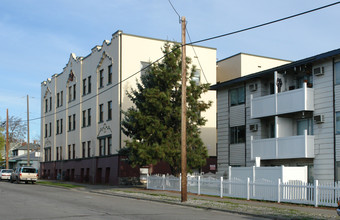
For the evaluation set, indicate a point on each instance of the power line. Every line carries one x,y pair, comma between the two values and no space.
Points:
195,42
199,63
264,24
179,17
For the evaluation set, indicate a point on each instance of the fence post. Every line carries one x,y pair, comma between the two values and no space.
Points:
248,183
316,192
279,190
199,185
163,181
180,182
221,192
147,181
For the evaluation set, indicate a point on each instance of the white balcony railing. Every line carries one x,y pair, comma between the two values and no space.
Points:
301,146
283,103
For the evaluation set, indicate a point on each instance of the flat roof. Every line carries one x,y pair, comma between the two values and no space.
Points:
278,68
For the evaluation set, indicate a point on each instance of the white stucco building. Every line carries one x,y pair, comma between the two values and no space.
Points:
286,115
82,107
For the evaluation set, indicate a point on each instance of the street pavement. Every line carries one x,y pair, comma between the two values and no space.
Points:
255,209
38,201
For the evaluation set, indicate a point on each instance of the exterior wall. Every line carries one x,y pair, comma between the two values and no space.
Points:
113,170
229,68
322,164
324,144
134,52
125,53
243,64
252,64
222,131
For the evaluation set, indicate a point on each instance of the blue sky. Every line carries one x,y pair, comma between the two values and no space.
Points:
37,36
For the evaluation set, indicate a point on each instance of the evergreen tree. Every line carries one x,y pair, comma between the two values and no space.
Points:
153,124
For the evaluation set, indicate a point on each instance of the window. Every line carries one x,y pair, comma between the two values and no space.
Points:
61,98
74,151
47,153
69,122
89,117
89,84
45,130
84,118
74,91
58,100
83,149
84,86
337,72
109,144
46,105
61,152
61,126
69,93
50,133
102,147
109,75
74,122
305,124
57,127
57,153
101,113
101,79
237,135
337,121
69,151
237,96
197,77
89,149
50,103
145,68
109,110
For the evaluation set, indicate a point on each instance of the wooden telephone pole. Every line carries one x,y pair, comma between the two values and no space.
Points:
184,196
28,132
7,141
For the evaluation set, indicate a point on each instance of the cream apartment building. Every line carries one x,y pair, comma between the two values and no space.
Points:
286,115
82,107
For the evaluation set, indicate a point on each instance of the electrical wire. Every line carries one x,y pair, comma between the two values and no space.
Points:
199,63
264,24
195,42
179,17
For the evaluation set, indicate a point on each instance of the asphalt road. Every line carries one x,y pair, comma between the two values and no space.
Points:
31,202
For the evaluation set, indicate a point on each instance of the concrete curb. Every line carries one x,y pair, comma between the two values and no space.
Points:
188,205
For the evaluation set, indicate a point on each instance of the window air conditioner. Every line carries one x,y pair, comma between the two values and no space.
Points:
253,127
253,87
319,119
318,71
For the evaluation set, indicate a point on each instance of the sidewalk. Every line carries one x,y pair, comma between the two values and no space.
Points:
269,210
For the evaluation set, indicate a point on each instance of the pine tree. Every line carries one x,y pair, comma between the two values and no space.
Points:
153,124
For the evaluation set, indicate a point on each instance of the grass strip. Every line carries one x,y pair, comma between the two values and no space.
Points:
66,185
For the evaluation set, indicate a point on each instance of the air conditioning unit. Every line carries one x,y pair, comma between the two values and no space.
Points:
319,71
253,127
319,119
253,87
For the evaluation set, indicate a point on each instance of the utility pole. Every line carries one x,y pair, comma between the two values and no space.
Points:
7,141
28,132
184,195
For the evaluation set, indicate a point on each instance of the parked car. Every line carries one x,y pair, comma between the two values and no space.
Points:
24,174
5,174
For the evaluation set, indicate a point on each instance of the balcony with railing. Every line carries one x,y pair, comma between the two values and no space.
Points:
301,146
282,103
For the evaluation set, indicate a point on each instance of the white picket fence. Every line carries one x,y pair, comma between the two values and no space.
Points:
292,192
